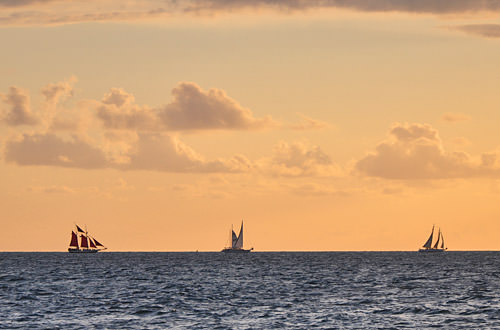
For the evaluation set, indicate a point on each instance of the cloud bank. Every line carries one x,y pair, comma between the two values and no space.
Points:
156,152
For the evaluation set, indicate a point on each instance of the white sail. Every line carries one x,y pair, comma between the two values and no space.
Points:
234,239
239,240
428,244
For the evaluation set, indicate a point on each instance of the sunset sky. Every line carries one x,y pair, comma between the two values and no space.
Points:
323,124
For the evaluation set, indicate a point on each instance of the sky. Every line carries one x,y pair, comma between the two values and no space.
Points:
325,125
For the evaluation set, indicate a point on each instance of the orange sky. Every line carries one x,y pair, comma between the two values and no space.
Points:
325,126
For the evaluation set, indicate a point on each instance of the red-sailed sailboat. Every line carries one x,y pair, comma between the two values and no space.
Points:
88,244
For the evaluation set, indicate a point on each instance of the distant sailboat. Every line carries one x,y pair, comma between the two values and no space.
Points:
438,245
236,242
88,244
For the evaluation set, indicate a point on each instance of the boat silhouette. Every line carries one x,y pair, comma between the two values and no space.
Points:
88,244
436,247
236,242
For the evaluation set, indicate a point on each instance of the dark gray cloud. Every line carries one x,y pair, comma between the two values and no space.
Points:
19,112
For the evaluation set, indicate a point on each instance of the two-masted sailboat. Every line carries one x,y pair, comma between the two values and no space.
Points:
88,244
236,242
438,246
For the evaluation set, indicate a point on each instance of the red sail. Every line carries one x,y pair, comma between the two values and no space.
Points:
80,230
92,245
74,240
85,243
97,243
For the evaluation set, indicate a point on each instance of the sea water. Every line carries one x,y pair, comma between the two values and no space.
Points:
280,290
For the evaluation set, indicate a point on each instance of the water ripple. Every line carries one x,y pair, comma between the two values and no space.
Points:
385,290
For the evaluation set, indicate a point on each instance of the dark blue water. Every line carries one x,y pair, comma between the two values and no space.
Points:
331,290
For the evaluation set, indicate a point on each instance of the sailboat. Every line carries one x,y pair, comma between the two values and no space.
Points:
438,245
236,242
88,244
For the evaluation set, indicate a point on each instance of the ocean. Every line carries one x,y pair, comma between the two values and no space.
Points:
259,290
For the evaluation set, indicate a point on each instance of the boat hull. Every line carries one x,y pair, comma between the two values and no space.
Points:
231,250
70,250
431,250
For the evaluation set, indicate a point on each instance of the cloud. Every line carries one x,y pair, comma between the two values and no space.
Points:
118,111
153,152
192,108
55,91
415,152
50,12
410,6
19,112
21,3
317,190
298,159
52,189
195,109
460,141
482,30
455,117
118,97
50,150
308,123
161,152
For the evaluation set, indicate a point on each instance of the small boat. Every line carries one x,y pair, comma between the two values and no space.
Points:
429,247
88,244
236,242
